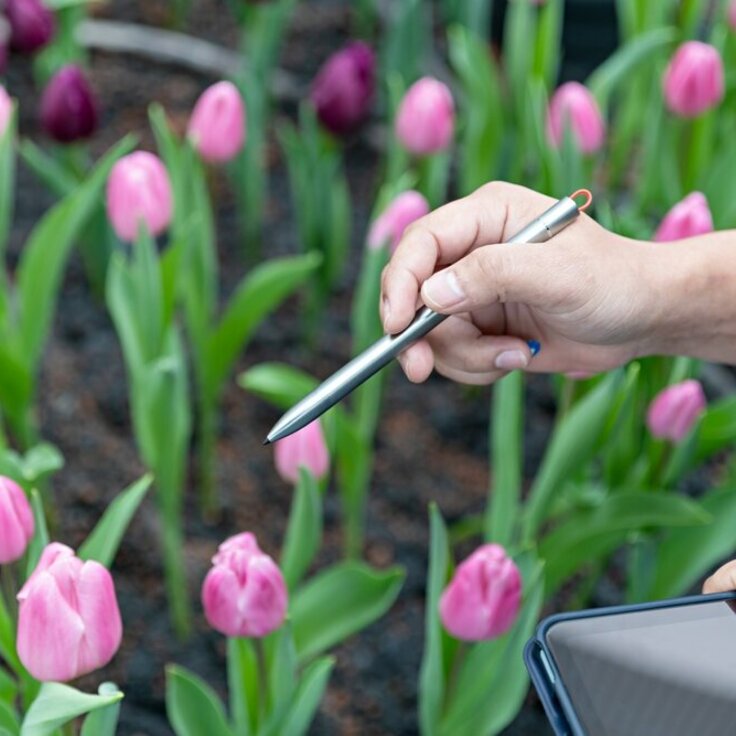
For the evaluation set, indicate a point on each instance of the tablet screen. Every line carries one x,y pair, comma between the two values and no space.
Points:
664,672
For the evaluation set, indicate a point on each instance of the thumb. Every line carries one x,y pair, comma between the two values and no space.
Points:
493,274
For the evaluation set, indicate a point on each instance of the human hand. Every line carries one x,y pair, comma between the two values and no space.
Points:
583,295
722,580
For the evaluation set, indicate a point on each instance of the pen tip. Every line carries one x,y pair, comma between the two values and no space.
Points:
267,441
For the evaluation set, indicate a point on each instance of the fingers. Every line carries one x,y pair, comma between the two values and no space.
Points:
722,580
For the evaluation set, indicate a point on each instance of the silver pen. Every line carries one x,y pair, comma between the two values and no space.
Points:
382,352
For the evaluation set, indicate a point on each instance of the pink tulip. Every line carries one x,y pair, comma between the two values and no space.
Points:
674,411
68,617
342,91
572,104
244,594
389,226
686,219
306,448
68,106
694,79
16,521
217,125
139,193
425,121
483,597
6,110
32,24
732,15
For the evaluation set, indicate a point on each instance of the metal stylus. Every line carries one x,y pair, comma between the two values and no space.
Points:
371,360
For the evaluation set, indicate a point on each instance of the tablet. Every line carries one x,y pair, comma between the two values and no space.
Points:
656,669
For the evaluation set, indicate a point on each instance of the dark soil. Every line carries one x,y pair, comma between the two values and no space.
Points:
432,441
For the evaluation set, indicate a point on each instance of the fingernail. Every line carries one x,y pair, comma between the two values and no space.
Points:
510,360
534,346
443,289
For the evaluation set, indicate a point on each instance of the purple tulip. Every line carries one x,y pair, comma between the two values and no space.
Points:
483,598
244,594
342,91
573,104
686,219
674,411
425,121
16,521
68,106
694,80
68,617
306,448
217,125
139,193
4,43
32,24
389,226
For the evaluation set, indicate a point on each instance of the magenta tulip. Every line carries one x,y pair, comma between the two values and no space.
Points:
16,521
483,598
686,219
342,91
389,226
425,121
6,110
244,594
32,24
573,104
68,617
217,125
139,194
675,410
306,448
694,79
68,106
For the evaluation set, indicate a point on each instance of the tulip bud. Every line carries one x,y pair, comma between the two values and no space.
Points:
425,121
139,193
68,106
244,594
694,79
343,89
306,448
483,598
674,411
217,125
573,104
16,521
32,24
389,226
686,219
68,617
732,15
6,110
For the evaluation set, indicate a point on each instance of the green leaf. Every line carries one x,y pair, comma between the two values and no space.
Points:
103,542
432,676
103,722
40,461
589,534
278,383
44,255
339,602
304,532
8,686
47,168
7,185
192,705
8,719
308,696
40,536
58,704
282,680
258,294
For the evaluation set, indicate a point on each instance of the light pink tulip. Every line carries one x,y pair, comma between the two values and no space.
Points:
217,125
68,617
6,110
16,521
573,104
389,226
732,15
686,219
694,79
306,448
674,411
244,594
139,193
425,122
483,598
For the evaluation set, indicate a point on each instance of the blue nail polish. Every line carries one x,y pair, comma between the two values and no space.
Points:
534,346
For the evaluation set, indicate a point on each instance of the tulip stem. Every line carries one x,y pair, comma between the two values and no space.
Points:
457,660
9,591
262,680
206,440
